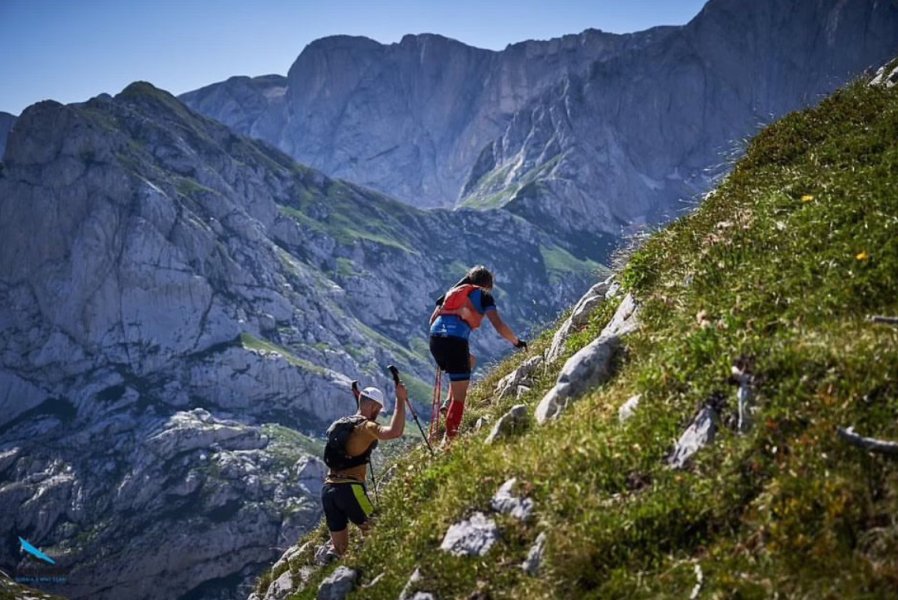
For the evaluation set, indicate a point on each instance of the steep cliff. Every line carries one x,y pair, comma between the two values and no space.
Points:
589,132
178,303
407,119
621,145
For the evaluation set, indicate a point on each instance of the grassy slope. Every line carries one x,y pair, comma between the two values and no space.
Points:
781,265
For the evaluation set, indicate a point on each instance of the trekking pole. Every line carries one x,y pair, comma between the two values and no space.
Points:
395,372
373,480
435,404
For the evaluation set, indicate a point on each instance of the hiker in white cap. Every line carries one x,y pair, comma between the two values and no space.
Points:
350,441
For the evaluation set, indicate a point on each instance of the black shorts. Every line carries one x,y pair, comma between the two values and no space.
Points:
344,502
452,355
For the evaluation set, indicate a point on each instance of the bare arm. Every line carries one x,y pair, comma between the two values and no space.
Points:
503,329
397,423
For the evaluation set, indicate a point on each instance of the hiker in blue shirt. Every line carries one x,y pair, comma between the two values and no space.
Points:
459,312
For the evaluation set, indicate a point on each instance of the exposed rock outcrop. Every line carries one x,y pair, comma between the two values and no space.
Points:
338,585
580,314
514,419
471,537
506,502
591,366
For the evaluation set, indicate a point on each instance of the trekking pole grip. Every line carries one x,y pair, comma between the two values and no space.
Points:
395,373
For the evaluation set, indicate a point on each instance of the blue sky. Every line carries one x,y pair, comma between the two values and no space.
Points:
71,50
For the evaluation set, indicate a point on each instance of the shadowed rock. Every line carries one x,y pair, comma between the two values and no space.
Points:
505,502
471,537
513,419
699,434
338,585
534,560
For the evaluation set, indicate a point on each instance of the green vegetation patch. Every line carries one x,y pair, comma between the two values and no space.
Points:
560,263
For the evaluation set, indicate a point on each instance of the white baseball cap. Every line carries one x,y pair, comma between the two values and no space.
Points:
374,394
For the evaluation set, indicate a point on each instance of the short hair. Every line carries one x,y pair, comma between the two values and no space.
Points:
480,276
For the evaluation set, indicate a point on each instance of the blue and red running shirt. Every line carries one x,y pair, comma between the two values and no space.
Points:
453,325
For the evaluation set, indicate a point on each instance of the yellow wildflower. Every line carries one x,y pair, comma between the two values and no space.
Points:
862,255
807,198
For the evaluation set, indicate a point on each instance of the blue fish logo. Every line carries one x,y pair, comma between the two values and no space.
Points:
36,552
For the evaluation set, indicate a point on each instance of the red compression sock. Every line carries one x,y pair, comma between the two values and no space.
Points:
453,418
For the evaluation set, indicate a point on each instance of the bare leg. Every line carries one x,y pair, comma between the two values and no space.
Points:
340,540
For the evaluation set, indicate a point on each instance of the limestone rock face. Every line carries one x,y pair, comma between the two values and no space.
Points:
591,365
590,135
652,125
408,119
180,309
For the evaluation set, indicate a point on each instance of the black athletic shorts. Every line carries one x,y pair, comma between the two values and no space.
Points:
452,356
344,502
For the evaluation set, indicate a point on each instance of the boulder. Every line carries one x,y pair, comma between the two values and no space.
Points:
338,585
699,434
591,365
628,408
280,587
533,562
520,377
584,308
471,537
513,419
505,502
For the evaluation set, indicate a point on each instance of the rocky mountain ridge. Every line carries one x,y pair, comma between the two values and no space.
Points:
180,306
586,133
409,118
677,110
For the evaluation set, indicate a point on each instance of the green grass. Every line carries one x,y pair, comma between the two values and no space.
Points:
492,191
560,264
348,216
781,266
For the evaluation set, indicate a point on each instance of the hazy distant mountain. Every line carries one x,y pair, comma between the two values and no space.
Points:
408,119
590,132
